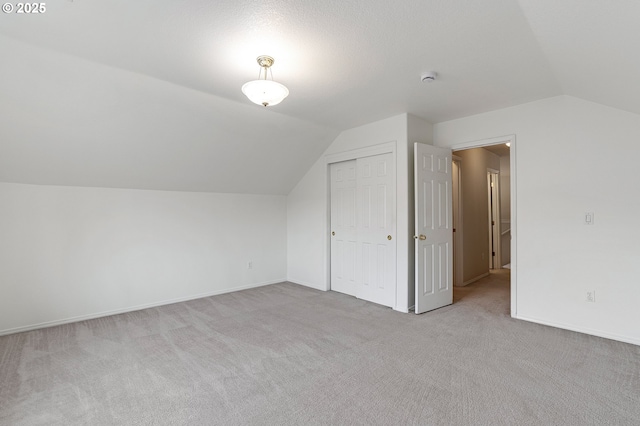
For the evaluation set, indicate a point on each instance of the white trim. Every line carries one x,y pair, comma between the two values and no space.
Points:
513,181
484,142
458,254
583,330
306,284
478,278
383,148
495,261
133,308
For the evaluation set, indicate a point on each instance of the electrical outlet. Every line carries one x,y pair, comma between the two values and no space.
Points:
250,264
591,296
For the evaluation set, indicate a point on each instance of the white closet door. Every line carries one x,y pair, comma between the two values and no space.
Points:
376,227
343,227
363,228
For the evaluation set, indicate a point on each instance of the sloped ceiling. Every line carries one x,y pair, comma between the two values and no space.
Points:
146,94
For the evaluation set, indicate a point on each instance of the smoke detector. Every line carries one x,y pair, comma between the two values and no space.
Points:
428,76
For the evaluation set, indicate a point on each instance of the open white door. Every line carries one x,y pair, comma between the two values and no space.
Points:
433,227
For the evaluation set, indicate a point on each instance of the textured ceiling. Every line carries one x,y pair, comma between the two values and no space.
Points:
146,94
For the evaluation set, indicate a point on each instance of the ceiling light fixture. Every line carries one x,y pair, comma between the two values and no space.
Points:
262,91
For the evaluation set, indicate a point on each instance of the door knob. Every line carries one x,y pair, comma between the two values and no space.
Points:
389,237
423,237
333,233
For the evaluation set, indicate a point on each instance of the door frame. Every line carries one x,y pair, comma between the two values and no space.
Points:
511,139
458,255
354,154
493,202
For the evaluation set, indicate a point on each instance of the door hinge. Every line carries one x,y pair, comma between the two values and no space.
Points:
493,253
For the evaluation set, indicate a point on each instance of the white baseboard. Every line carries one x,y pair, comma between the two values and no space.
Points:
473,280
306,284
132,308
584,330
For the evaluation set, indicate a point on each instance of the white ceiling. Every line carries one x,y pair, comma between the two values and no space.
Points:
146,94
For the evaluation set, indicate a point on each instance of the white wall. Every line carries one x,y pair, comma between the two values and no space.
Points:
72,122
573,156
71,253
307,205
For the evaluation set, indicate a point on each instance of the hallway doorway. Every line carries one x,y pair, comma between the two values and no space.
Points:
484,211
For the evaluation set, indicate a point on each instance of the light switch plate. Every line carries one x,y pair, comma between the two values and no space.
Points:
589,218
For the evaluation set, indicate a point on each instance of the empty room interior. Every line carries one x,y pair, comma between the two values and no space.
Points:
316,212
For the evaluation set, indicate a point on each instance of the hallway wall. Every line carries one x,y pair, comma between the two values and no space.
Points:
475,215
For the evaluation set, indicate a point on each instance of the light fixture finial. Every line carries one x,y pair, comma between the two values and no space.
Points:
265,61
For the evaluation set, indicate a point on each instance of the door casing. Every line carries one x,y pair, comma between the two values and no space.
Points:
511,139
493,202
458,260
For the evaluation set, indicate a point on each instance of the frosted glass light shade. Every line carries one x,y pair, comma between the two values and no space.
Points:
265,92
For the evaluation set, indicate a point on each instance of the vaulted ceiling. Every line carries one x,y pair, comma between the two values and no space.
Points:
146,94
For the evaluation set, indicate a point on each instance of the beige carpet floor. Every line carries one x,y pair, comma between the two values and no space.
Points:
288,355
